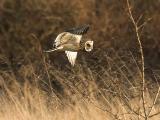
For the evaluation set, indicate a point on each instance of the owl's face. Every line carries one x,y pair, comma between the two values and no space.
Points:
88,45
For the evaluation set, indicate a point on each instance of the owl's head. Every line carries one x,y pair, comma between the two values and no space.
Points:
88,45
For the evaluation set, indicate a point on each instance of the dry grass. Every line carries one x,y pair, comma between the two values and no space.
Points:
112,82
35,104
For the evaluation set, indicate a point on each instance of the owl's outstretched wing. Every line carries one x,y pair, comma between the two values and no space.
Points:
79,30
72,36
71,57
67,37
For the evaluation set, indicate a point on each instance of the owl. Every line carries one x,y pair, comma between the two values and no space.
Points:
71,41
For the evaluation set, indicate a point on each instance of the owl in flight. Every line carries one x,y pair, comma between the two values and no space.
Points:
71,42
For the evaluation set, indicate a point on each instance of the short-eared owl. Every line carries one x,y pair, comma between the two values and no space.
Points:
71,42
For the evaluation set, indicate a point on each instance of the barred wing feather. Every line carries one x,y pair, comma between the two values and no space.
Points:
67,37
79,30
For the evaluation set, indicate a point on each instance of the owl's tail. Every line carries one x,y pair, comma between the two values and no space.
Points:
51,50
58,48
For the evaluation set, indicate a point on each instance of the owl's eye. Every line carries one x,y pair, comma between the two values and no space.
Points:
88,45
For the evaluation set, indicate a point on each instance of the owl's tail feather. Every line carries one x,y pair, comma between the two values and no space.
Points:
51,50
58,48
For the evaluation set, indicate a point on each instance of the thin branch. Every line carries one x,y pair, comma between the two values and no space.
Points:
154,102
45,66
156,97
154,114
139,19
142,56
142,25
130,108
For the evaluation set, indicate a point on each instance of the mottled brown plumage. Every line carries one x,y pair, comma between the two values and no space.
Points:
71,42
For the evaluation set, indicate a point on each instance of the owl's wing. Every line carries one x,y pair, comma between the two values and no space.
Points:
79,30
58,40
71,57
67,37
73,35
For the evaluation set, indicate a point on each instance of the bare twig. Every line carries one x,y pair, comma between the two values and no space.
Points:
155,100
142,56
139,27
156,97
154,114
45,66
139,19
130,108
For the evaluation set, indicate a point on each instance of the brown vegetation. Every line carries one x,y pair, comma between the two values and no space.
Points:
109,83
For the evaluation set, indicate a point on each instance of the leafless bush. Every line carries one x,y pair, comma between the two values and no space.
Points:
107,83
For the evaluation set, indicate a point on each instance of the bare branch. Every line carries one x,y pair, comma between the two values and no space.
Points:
142,25
154,102
154,114
139,19
142,56
158,92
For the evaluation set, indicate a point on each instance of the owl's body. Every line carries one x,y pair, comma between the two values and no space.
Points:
68,41
71,42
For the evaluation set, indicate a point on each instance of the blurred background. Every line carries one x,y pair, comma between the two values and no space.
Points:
110,24
28,27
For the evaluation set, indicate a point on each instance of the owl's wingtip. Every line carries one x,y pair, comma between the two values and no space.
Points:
79,30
